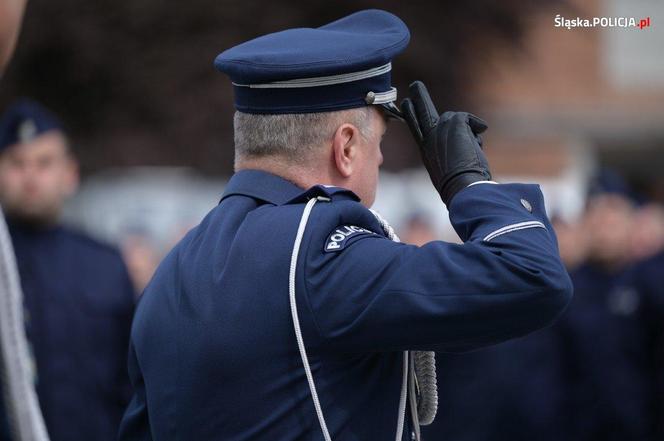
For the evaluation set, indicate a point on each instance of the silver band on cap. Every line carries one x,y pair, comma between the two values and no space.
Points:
323,81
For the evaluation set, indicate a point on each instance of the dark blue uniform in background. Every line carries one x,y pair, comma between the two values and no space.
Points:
79,305
4,424
597,374
512,391
608,368
213,354
649,279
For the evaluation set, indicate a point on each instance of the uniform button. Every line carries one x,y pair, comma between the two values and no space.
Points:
527,205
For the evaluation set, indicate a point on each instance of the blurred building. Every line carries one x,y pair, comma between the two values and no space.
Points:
572,99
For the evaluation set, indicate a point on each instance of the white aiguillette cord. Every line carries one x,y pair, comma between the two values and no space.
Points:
422,384
303,352
22,406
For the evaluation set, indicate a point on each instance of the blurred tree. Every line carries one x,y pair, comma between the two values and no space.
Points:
135,85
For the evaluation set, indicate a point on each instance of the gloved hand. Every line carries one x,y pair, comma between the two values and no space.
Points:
450,144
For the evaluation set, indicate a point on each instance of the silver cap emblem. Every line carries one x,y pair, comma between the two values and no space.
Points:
27,131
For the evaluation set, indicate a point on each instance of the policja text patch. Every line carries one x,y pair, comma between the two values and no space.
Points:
341,236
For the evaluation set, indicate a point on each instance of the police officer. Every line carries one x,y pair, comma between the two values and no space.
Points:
648,275
607,340
289,311
77,293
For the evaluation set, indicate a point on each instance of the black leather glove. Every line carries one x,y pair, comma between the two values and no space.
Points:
450,144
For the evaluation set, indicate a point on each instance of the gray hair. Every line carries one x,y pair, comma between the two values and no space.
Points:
292,136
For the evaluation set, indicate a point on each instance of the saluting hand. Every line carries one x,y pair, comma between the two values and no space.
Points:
450,144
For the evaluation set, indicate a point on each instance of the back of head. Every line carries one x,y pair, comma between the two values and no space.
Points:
292,139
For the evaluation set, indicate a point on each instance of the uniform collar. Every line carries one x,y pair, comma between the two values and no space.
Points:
262,185
25,228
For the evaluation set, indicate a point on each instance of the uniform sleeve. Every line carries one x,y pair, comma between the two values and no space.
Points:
373,294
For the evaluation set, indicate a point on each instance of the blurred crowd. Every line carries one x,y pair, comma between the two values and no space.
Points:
597,374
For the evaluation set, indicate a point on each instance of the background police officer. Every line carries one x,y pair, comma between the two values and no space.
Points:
77,293
290,311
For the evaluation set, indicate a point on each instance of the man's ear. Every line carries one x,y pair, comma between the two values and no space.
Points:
345,147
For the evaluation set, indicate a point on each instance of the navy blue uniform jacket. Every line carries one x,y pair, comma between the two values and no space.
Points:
79,303
607,337
213,355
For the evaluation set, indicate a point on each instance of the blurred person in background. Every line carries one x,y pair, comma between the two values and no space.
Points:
140,255
648,275
647,247
77,293
572,242
418,230
605,332
512,391
648,238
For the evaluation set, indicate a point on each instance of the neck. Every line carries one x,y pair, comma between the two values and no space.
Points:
34,224
304,176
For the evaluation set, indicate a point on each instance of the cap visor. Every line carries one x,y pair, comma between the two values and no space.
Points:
392,111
